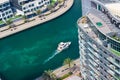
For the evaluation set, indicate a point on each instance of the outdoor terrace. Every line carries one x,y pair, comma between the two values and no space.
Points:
85,24
98,17
113,8
103,24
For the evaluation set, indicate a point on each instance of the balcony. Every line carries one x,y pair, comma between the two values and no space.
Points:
83,52
113,61
90,50
96,72
93,46
92,56
93,63
96,54
117,71
82,46
115,51
114,68
111,72
93,74
117,77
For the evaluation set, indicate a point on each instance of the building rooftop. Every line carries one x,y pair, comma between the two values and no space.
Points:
86,27
114,8
106,27
98,17
103,27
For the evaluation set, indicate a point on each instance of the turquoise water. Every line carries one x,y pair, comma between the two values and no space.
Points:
27,54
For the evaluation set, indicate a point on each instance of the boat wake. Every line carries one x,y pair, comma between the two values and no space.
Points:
51,57
61,46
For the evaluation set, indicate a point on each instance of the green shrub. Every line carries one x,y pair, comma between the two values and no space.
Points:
65,76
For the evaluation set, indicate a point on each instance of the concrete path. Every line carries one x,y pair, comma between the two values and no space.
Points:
64,69
59,72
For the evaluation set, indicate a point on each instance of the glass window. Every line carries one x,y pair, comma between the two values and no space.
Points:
29,5
7,4
5,18
117,61
24,8
25,12
3,14
37,7
6,13
0,6
4,5
9,11
32,4
39,2
8,17
11,15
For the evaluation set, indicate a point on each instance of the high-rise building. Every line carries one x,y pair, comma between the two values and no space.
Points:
5,10
99,40
29,7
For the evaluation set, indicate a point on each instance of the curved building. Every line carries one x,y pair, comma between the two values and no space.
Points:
99,40
29,7
6,11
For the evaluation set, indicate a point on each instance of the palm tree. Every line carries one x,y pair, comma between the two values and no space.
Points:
68,62
9,22
49,75
25,18
38,12
60,1
49,7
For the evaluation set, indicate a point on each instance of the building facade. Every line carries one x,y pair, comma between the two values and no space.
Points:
99,41
5,10
29,7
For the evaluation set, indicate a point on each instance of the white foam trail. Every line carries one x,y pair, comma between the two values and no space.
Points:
51,57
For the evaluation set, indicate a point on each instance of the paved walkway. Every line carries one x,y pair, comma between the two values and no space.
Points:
64,69
59,72
68,4
73,77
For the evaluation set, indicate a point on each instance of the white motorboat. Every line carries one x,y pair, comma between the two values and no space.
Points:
63,45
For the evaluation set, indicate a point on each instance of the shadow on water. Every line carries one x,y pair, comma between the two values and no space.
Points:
2,77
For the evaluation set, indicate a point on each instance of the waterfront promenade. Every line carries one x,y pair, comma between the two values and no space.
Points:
64,69
67,5
61,71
